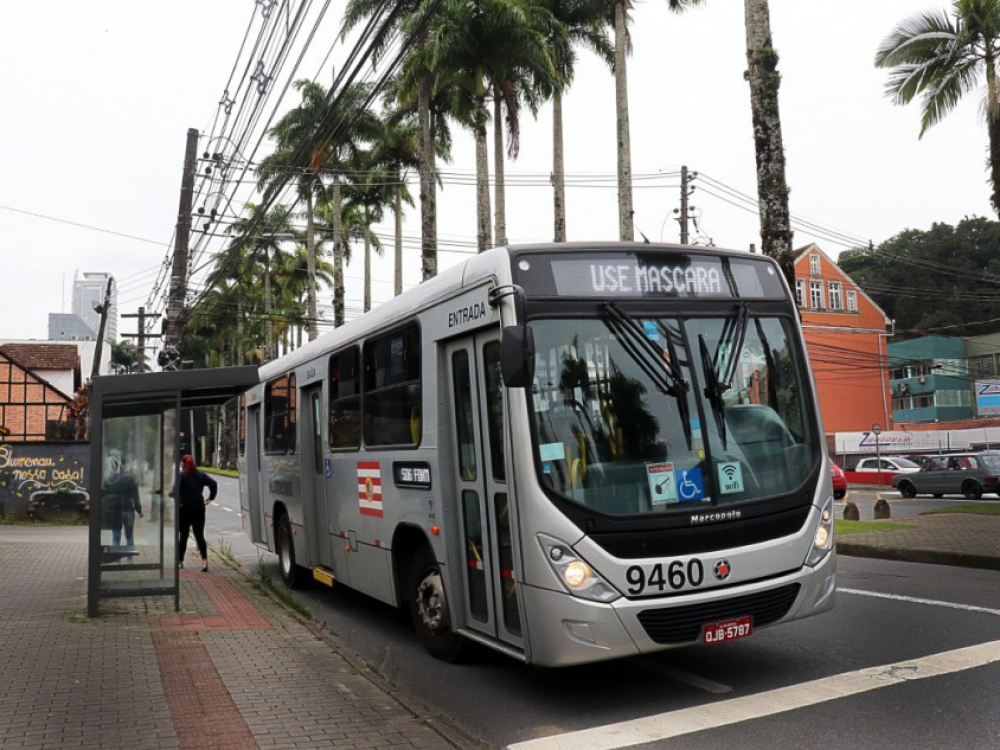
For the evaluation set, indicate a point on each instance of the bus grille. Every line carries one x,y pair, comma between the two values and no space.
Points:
671,625
693,540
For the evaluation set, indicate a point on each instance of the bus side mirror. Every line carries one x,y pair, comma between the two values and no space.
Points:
517,356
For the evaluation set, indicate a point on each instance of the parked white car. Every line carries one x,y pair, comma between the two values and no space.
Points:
888,465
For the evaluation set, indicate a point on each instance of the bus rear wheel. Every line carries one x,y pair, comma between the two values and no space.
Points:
291,573
429,609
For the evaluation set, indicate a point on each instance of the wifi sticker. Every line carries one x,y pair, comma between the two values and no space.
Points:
730,477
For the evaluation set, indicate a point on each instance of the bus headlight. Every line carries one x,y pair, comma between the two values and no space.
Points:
578,578
823,539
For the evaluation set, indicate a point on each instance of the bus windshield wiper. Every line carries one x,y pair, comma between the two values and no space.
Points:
664,373
734,330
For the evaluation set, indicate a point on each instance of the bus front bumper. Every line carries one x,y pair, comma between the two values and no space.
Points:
589,631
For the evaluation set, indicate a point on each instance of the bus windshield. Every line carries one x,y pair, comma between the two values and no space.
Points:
634,414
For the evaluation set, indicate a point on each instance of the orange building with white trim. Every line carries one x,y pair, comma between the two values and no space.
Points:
847,338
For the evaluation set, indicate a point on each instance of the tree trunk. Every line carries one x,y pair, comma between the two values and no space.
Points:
625,231
993,127
240,358
311,265
368,262
338,257
498,169
482,178
428,190
558,168
398,197
772,190
268,323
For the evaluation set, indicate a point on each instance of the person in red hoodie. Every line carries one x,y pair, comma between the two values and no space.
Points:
190,490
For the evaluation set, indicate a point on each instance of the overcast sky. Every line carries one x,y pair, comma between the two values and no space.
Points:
97,97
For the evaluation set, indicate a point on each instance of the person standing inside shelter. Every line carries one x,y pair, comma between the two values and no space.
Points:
190,491
121,501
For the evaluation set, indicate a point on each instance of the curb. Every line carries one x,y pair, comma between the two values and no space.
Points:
929,557
441,724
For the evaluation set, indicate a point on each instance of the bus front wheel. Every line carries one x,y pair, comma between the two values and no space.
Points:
291,573
429,609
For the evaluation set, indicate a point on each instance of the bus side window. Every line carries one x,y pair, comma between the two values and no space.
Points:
393,389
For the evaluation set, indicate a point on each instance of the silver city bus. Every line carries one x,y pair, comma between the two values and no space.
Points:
567,453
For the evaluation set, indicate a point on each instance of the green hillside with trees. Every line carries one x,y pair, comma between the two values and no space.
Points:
945,280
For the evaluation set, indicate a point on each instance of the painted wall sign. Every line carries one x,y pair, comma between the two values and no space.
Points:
27,469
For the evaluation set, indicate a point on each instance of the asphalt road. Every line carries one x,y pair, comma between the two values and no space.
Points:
885,669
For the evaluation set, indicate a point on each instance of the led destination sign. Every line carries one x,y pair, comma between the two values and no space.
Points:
653,274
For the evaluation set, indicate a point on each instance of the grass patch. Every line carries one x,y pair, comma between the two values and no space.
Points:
993,509
220,472
262,581
224,551
843,526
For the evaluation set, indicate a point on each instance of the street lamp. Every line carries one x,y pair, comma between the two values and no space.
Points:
876,429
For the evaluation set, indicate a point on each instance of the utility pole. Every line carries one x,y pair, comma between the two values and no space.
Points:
140,348
170,358
685,211
104,309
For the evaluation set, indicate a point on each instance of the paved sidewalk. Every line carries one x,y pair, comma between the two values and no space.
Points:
233,669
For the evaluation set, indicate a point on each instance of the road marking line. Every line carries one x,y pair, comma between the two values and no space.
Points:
803,695
917,600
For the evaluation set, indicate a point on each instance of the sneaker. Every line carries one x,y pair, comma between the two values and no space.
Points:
204,567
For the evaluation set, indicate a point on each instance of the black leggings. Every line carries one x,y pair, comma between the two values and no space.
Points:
192,519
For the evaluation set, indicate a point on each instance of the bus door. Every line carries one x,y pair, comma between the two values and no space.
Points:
252,509
480,486
314,508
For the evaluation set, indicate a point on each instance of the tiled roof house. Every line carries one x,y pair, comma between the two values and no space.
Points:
36,386
847,338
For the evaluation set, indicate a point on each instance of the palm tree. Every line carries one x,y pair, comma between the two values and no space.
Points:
406,15
620,10
398,150
367,195
468,46
521,76
292,131
772,189
261,235
124,357
943,58
582,22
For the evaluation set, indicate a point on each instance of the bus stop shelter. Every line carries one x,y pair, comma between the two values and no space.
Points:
135,450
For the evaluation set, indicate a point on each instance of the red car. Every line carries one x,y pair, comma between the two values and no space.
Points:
839,481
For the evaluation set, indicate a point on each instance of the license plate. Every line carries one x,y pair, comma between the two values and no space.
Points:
727,630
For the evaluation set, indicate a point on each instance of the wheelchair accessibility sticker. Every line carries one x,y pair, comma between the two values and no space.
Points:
690,485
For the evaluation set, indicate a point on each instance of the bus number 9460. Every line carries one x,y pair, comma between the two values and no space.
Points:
676,575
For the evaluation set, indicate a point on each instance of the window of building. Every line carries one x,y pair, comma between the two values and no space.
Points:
345,400
852,300
816,295
952,398
800,292
923,402
899,404
279,415
836,297
392,388
982,367
814,265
